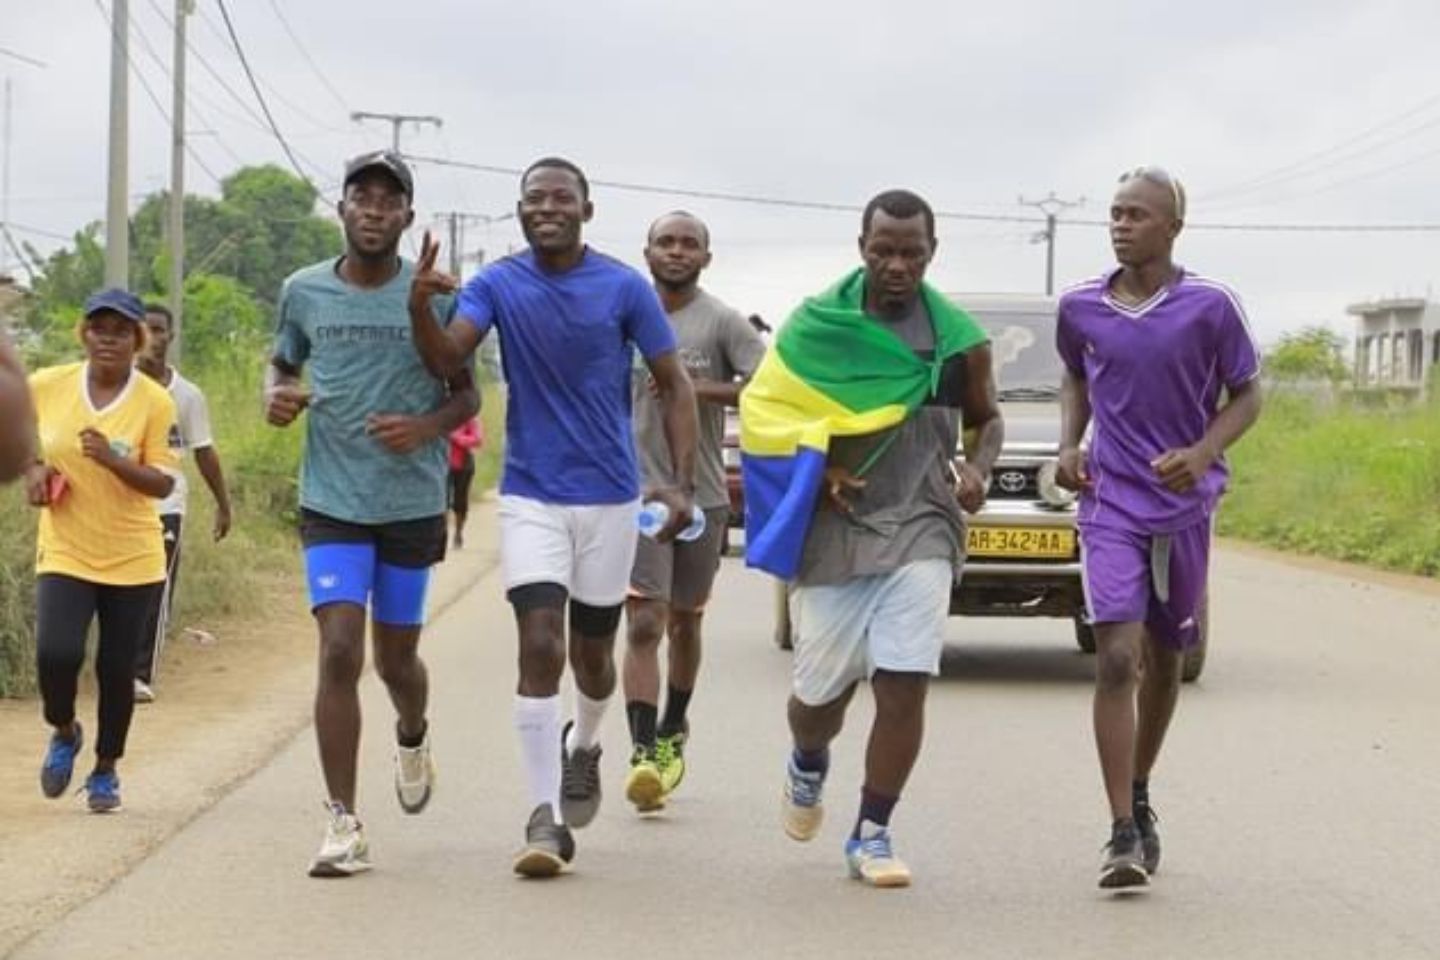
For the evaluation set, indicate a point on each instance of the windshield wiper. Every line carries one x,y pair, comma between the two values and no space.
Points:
1030,393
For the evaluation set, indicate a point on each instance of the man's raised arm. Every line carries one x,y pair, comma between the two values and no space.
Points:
444,350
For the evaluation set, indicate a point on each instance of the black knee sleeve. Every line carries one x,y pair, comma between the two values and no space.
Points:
594,621
537,596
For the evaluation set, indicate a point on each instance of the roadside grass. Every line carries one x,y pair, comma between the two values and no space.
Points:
491,458
1340,480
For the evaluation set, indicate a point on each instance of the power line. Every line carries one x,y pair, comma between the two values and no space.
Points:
260,97
5,52
1296,227
1279,173
37,231
151,95
165,71
19,253
320,74
275,90
785,202
251,119
728,197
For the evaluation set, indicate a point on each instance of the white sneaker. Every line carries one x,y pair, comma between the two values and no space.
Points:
414,775
344,851
144,693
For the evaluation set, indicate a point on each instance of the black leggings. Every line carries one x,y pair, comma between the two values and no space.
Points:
460,481
64,607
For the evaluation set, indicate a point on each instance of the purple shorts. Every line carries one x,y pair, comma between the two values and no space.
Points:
1155,579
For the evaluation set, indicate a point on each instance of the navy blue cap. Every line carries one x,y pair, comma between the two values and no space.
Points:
122,302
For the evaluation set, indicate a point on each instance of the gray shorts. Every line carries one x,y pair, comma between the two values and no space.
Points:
679,573
844,632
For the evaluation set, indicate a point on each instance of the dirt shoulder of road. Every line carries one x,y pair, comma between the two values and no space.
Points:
223,710
1409,582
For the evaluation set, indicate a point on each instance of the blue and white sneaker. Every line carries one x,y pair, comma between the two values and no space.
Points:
102,791
801,809
59,765
872,860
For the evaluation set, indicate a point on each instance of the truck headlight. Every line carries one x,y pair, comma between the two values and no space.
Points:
1051,492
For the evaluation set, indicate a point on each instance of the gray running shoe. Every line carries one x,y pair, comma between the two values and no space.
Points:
549,847
1123,864
1145,820
579,782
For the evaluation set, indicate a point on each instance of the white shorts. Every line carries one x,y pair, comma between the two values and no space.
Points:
587,550
844,632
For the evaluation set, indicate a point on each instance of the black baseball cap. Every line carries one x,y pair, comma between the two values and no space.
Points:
385,160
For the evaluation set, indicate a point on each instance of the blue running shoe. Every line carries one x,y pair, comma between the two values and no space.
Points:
872,859
801,809
102,791
59,763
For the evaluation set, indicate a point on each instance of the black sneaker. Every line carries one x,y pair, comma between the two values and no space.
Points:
1145,820
1123,865
549,847
579,782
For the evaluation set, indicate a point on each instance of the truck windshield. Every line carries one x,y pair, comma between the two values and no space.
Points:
1023,344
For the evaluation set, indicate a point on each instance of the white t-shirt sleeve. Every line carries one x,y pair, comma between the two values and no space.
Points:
194,416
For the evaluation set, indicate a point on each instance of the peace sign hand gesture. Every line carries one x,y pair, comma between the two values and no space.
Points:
429,282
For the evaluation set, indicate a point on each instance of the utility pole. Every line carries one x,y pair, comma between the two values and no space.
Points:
456,220
7,138
183,8
1052,206
396,121
117,213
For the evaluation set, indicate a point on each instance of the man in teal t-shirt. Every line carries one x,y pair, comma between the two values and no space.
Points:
372,491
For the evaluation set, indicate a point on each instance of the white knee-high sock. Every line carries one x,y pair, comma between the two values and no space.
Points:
537,721
588,714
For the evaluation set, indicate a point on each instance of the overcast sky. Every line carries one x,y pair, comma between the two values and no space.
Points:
1293,111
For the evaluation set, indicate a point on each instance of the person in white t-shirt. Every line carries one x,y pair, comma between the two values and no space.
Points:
191,432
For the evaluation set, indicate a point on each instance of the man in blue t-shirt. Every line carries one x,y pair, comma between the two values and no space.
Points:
372,487
569,318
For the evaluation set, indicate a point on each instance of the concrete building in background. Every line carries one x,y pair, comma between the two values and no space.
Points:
1396,343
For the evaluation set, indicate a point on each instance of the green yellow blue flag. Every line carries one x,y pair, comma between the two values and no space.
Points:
834,371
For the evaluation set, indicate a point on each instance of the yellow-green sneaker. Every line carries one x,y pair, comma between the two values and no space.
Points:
670,759
644,785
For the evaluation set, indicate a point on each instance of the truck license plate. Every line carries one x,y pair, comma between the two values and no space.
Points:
1020,542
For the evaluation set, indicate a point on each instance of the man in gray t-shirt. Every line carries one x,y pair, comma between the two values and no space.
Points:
671,582
873,590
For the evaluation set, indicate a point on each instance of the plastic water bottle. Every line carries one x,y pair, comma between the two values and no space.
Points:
654,514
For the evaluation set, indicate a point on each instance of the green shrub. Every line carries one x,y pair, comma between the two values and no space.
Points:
1347,481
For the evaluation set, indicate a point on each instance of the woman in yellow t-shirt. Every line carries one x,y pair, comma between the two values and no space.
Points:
104,451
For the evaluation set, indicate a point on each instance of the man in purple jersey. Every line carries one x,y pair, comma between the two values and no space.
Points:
1149,349
569,319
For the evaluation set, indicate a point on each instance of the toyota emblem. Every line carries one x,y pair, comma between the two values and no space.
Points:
1012,481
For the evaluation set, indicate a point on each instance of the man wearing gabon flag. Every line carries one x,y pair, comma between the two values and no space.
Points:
889,368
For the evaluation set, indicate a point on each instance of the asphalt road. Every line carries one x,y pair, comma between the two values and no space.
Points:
1298,796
